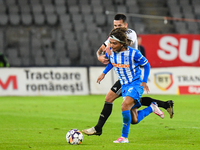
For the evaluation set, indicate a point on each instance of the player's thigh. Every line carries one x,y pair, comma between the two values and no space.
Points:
114,92
128,103
111,96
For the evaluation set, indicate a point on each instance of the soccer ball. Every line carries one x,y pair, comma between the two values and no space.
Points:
74,137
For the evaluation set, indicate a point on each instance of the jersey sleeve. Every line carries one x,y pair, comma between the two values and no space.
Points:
146,72
140,58
107,41
131,35
108,68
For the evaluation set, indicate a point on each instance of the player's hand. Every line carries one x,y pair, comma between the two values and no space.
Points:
100,78
103,59
107,50
145,86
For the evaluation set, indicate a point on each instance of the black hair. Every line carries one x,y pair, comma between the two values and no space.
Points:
120,17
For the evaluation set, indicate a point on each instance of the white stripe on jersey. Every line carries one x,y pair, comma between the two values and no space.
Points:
127,64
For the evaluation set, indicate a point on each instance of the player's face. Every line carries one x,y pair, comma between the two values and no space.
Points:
115,45
119,24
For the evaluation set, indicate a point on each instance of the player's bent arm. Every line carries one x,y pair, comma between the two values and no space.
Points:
101,57
100,50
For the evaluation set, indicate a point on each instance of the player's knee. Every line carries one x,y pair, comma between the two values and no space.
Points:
109,99
133,122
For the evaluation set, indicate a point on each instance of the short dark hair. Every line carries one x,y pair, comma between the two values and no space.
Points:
120,33
120,17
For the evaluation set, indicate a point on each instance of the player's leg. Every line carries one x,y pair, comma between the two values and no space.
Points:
126,115
114,93
137,116
168,105
106,111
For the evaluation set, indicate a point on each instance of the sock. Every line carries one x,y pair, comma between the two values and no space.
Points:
107,109
143,113
126,123
146,101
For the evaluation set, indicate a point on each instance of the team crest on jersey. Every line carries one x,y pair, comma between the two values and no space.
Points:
163,80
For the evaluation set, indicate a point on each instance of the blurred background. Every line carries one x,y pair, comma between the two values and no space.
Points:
69,32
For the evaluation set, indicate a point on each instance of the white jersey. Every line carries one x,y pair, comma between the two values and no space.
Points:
131,35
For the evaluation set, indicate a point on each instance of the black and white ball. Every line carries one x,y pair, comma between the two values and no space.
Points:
74,137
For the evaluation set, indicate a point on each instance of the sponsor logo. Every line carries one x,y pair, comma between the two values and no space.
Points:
163,80
11,80
121,65
115,88
191,89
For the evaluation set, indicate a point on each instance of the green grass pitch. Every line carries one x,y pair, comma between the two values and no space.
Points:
41,123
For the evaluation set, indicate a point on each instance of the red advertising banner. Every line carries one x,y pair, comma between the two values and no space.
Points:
170,50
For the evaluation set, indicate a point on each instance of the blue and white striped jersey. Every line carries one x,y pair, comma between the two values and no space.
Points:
127,64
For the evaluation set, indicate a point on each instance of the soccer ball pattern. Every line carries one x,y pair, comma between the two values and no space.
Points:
74,137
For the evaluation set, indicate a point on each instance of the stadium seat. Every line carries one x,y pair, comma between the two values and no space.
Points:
59,2
76,18
181,27
4,19
98,9
15,62
49,9
24,52
71,3
193,27
96,2
88,18
37,9
39,19
46,2
83,2
10,2
3,8
60,9
13,9
87,60
121,9
51,61
118,2
100,19
85,9
26,19
14,19
23,2
64,61
74,9
49,52
33,2
51,19
39,61
25,9
25,61
131,2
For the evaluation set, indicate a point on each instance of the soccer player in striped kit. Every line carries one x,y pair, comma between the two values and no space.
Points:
115,91
126,62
